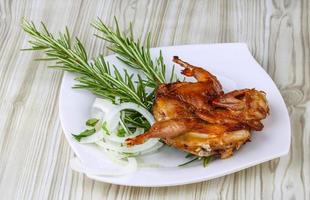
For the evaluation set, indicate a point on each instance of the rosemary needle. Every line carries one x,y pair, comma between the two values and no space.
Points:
183,164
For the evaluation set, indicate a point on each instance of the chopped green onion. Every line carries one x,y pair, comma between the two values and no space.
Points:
121,132
105,128
206,160
126,154
83,134
92,122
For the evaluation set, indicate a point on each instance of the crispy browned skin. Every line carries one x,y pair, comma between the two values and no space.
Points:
198,94
200,74
245,107
199,118
195,136
166,107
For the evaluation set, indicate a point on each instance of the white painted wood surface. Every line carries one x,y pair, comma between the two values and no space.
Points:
34,155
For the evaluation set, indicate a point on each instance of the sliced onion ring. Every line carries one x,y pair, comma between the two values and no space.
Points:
107,112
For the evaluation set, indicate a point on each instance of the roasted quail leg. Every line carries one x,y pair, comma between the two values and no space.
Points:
200,74
198,94
195,136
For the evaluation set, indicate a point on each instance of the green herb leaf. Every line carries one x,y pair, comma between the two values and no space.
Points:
92,122
83,134
121,132
105,128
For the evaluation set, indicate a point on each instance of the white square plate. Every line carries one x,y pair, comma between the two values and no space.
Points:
235,67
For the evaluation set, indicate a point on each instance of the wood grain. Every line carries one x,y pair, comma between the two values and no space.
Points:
34,155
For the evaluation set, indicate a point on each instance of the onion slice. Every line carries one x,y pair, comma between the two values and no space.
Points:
111,143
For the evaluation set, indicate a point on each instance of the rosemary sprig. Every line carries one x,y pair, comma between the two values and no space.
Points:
95,76
134,54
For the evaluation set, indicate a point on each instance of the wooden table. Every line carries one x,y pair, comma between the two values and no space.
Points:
34,155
